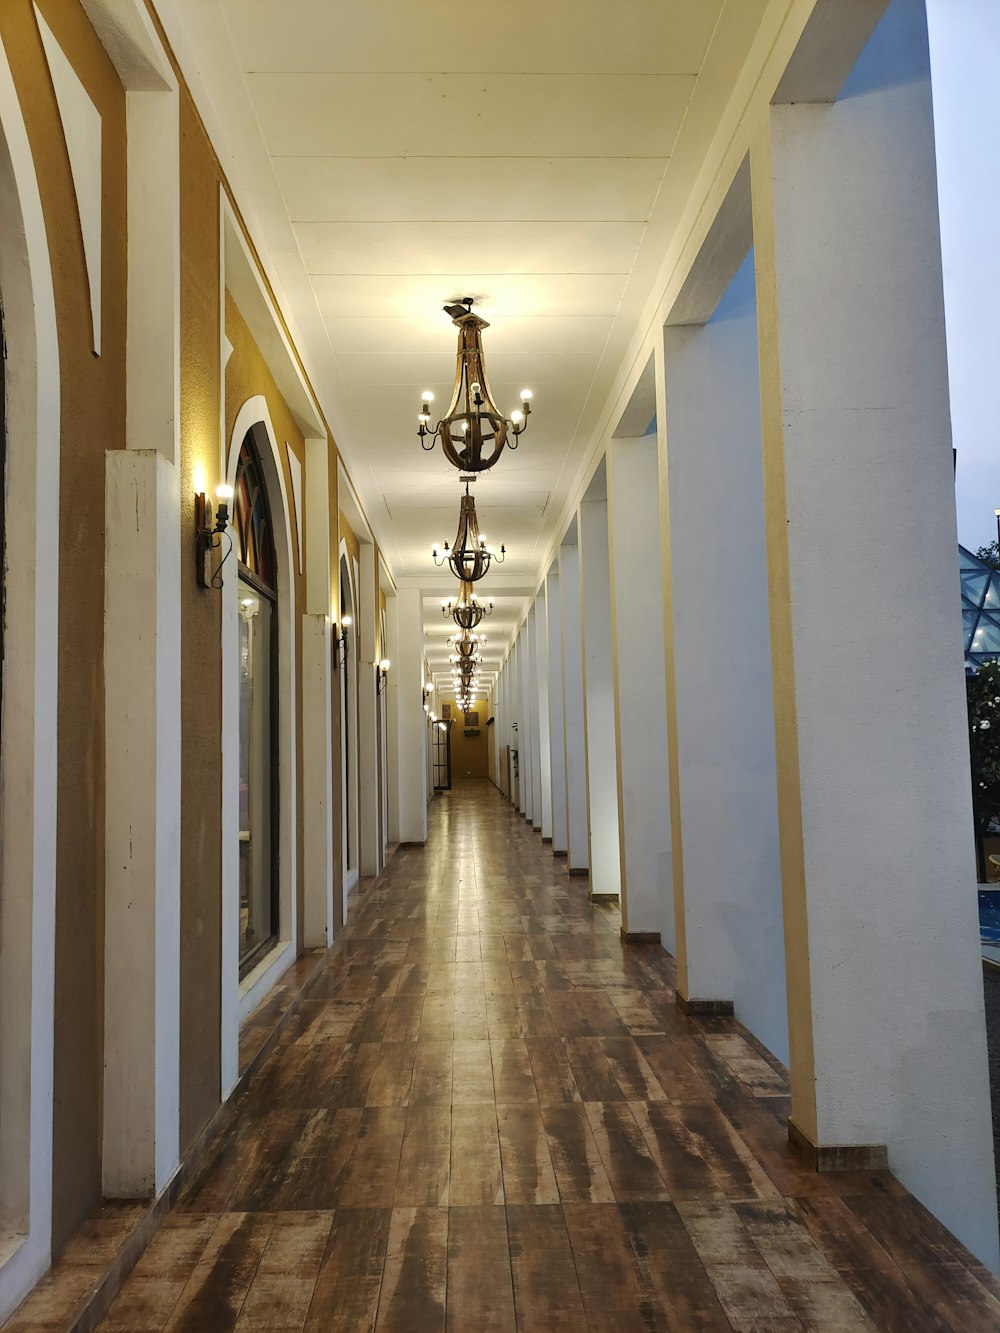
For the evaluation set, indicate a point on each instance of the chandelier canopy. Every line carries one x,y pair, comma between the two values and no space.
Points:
473,431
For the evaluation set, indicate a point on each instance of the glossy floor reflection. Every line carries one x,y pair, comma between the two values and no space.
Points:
489,1115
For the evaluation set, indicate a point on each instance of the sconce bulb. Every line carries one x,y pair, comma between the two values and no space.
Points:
345,621
224,493
384,665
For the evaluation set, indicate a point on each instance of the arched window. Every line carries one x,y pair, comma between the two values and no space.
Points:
258,710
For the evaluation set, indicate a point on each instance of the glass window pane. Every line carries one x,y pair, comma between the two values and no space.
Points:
257,917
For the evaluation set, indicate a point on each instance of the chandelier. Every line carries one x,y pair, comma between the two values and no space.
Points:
473,431
468,611
470,558
466,645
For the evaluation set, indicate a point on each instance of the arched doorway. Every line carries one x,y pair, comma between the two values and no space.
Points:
258,711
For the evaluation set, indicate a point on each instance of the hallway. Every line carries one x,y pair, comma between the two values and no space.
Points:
487,1114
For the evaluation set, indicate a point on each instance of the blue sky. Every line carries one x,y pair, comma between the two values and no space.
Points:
965,57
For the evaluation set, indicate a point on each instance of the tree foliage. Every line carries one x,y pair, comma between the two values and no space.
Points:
983,689
990,555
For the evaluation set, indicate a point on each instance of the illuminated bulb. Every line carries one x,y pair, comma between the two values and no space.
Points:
463,426
384,665
345,621
423,418
516,417
224,493
427,396
526,395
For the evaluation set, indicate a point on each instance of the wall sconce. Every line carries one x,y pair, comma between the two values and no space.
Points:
383,675
209,535
340,645
428,690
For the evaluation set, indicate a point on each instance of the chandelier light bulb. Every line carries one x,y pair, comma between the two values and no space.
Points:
427,396
526,395
516,417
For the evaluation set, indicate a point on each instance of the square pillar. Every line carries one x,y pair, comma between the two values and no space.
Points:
142,824
411,720
577,834
317,782
599,700
531,628
640,700
730,945
885,987
521,658
556,711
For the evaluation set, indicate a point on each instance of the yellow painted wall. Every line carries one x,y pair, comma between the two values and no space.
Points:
92,390
469,754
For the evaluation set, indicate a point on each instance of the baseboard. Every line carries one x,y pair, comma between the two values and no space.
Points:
641,936
561,854
547,840
838,1157
699,1008
579,870
604,897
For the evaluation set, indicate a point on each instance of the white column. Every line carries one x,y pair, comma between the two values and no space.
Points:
885,980
640,698
730,947
368,841
542,712
578,838
553,686
599,700
531,629
524,719
392,719
318,688
142,824
317,784
411,718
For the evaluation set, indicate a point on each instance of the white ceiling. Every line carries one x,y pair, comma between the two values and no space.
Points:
533,156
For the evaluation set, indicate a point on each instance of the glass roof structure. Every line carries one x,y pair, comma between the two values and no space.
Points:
980,609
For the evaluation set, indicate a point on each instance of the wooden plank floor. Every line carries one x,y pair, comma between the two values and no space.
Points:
489,1115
